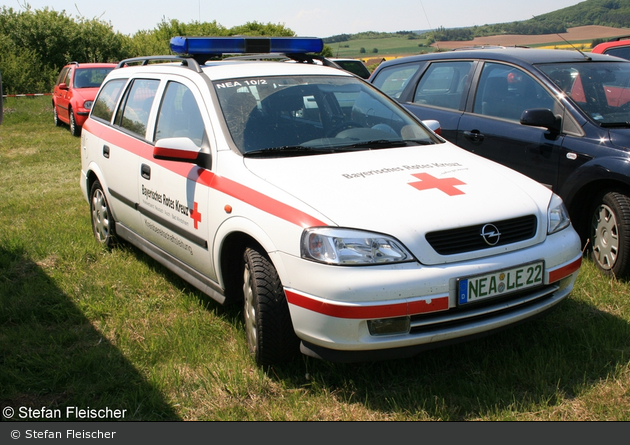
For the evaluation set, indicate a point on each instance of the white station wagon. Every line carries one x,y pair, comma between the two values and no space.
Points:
347,229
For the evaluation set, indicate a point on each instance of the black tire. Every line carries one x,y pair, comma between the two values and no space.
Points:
610,234
103,224
75,130
270,335
56,116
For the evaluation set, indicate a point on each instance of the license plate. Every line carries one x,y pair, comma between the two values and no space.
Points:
502,282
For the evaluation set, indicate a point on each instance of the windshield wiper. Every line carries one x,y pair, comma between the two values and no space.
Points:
386,143
287,150
614,124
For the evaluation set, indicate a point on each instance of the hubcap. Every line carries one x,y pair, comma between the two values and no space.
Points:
250,310
100,216
605,237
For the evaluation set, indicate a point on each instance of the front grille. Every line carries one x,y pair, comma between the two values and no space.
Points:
469,239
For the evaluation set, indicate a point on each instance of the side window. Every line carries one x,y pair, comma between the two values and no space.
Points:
179,115
505,92
443,85
133,113
68,79
62,76
106,101
392,81
620,51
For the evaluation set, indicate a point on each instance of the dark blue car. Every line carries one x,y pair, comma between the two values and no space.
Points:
561,117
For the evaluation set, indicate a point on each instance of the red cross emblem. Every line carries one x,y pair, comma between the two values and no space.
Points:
196,216
447,185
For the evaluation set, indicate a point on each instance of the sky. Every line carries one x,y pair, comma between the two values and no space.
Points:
321,18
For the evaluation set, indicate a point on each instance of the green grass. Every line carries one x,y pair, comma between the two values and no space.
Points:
83,326
386,46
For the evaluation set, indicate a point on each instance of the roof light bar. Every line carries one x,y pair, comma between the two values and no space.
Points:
245,45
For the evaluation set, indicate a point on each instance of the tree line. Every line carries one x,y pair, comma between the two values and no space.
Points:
36,44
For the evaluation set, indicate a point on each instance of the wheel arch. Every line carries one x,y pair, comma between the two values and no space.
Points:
586,183
232,238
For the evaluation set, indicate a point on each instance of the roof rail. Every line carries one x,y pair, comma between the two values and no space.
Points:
468,48
186,61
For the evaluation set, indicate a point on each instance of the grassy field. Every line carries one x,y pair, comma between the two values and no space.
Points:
83,326
386,46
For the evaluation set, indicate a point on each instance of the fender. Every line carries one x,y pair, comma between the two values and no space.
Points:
239,224
609,169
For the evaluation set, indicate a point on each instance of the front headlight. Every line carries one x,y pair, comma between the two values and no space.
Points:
88,104
557,215
349,247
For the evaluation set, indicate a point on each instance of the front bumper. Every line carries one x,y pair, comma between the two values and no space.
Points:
335,327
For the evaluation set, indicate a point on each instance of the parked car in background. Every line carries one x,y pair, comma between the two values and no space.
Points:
354,66
560,117
74,92
619,47
345,234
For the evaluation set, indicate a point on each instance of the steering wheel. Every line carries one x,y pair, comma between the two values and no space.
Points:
343,126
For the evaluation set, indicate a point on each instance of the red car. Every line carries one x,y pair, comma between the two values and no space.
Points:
75,91
619,47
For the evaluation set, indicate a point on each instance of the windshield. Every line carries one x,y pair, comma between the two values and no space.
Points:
600,89
310,115
90,77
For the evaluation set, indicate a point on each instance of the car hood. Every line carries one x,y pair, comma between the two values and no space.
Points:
409,192
85,93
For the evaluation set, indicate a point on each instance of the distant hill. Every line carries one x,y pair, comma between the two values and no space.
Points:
609,13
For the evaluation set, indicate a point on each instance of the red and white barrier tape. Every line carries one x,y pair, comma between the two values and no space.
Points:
27,95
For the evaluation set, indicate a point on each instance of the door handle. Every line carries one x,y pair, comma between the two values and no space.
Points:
145,171
106,151
474,136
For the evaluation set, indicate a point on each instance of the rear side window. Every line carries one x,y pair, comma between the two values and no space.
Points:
105,103
392,81
443,85
133,112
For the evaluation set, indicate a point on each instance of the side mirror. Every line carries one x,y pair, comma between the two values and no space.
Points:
433,125
181,149
63,86
541,117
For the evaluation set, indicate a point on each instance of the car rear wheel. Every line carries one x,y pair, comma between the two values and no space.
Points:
270,335
102,221
610,234
75,130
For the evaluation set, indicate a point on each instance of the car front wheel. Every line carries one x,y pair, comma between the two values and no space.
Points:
610,234
102,220
270,335
75,130
56,116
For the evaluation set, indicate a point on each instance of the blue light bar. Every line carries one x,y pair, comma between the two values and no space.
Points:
246,45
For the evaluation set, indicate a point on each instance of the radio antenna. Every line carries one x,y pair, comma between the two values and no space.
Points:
437,45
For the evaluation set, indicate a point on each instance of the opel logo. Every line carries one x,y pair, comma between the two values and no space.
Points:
490,234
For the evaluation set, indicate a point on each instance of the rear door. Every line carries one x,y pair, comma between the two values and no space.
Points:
122,143
441,94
